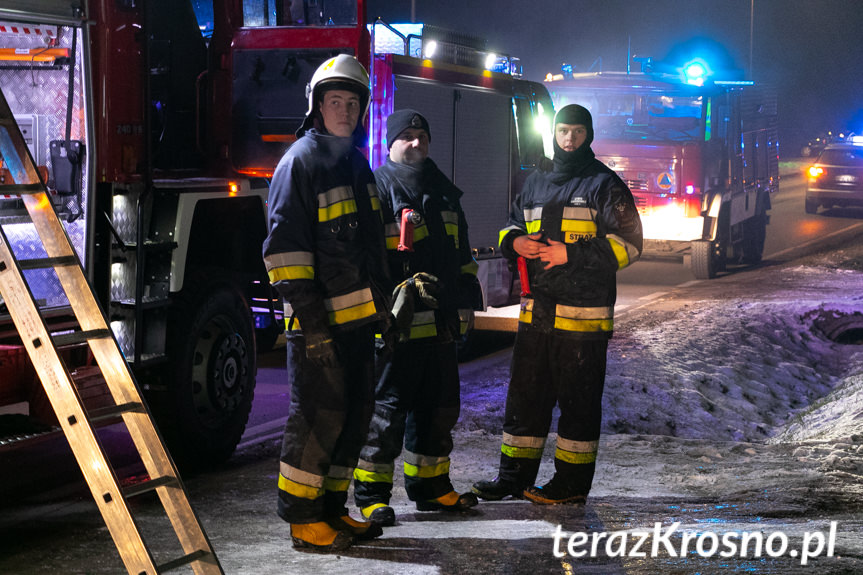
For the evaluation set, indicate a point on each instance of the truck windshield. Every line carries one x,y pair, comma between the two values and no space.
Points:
639,116
299,13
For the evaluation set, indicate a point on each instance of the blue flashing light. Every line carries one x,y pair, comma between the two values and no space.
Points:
696,71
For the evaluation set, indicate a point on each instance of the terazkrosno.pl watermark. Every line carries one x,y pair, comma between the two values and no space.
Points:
674,543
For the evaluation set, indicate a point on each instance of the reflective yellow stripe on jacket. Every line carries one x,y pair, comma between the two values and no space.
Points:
450,222
336,202
584,319
290,266
577,223
423,325
350,307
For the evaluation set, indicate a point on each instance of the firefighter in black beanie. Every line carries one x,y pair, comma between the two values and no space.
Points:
417,396
573,227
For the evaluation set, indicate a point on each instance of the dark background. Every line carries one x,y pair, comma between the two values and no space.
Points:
811,50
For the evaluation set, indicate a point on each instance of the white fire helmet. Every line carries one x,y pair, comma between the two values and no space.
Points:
344,71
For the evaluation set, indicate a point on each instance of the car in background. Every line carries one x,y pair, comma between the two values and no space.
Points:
836,177
814,146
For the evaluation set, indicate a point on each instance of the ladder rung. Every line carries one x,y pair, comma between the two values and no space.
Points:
113,411
149,485
182,561
43,263
20,189
77,337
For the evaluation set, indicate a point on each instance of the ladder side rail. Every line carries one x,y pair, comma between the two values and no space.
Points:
122,385
71,415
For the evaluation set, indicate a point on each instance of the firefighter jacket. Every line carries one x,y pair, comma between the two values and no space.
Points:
592,211
440,244
325,252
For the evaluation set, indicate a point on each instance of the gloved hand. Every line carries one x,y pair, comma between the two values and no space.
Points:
403,309
428,288
320,347
321,350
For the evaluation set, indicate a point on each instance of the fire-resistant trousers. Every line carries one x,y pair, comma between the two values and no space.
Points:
549,368
327,424
417,400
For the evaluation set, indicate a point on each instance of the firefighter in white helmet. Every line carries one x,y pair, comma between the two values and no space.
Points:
326,255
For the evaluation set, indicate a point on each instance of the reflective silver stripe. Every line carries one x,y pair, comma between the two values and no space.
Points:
533,214
339,472
348,300
523,441
423,460
449,217
572,312
335,196
527,304
577,446
373,190
300,476
631,250
375,467
289,259
578,214
423,318
391,230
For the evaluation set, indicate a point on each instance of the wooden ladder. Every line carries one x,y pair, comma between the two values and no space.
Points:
75,421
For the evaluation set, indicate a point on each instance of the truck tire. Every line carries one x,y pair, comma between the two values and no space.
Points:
704,260
211,379
754,235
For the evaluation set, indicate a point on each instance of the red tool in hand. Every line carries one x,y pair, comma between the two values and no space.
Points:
522,275
410,218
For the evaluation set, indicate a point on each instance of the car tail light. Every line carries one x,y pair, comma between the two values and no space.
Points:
815,171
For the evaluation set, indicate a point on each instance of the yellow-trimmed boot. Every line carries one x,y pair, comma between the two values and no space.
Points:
319,537
380,514
452,501
359,529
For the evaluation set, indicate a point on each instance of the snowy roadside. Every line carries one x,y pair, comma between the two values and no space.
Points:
727,392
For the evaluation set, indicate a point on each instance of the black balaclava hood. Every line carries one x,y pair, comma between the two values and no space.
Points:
571,163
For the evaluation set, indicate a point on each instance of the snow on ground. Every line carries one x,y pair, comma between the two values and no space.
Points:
740,363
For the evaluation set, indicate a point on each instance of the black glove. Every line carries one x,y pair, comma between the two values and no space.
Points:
403,309
321,350
428,288
320,347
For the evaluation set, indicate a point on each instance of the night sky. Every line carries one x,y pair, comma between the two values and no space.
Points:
811,50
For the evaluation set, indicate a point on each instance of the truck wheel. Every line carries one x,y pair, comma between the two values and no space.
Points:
811,206
754,235
704,259
211,378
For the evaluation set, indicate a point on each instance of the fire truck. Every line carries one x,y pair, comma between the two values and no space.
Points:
155,125
699,154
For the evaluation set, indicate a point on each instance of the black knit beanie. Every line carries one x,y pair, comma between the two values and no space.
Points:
399,121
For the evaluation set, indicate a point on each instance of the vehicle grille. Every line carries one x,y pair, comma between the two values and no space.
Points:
636,185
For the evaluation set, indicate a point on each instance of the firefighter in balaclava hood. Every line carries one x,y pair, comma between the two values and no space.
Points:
570,230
